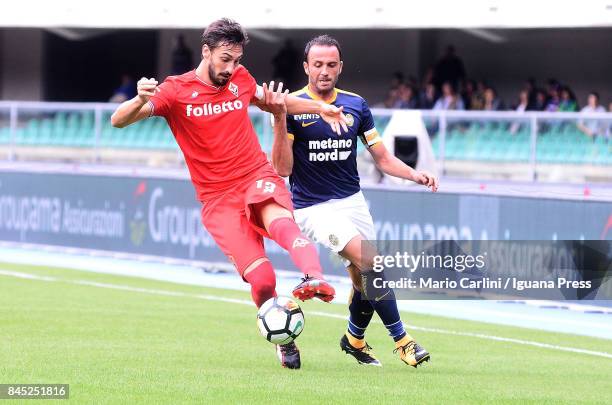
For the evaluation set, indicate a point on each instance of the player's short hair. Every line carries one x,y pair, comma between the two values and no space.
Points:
224,32
322,40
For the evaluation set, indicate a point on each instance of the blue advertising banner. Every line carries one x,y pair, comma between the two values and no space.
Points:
161,217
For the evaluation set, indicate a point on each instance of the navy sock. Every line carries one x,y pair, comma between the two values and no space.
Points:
361,313
384,303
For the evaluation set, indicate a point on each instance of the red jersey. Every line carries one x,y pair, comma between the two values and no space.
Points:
213,129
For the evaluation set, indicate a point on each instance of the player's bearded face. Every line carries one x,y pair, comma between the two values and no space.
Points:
222,61
323,68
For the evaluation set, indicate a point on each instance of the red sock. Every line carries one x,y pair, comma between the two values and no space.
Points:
263,283
286,233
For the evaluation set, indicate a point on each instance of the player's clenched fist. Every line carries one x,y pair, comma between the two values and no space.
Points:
146,88
427,179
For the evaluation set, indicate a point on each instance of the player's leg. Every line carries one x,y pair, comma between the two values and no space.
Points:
269,209
361,252
280,225
360,314
383,301
244,247
260,275
360,309
330,225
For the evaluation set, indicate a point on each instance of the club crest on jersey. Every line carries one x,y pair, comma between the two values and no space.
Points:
194,94
349,120
233,89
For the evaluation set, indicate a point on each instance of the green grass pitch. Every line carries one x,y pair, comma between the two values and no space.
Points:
176,345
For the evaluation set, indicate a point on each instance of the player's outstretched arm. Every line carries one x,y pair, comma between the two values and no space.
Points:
296,105
331,114
138,108
391,165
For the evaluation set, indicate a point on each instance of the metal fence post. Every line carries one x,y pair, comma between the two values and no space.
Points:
97,132
533,146
442,125
13,130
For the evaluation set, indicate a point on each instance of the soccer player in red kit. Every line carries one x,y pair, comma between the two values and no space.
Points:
243,198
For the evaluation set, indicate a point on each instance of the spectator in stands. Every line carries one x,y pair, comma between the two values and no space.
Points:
554,100
397,79
530,87
552,85
449,99
522,106
427,78
592,127
284,66
450,68
413,82
407,97
468,93
427,97
568,100
477,102
491,101
182,58
390,101
125,91
540,100
523,102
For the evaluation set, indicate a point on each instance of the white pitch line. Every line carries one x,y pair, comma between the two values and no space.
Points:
26,275
483,336
217,298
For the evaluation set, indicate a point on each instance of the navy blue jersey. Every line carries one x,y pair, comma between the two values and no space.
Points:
324,163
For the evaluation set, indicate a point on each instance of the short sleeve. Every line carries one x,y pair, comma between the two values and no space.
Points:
254,91
163,99
367,130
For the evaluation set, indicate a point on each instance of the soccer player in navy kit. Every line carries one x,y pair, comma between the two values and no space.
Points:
329,205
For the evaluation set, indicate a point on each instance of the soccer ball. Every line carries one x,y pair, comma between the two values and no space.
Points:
280,320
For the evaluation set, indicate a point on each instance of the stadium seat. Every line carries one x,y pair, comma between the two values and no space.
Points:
560,142
5,135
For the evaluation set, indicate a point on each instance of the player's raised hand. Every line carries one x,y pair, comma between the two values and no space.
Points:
146,88
334,117
427,179
274,100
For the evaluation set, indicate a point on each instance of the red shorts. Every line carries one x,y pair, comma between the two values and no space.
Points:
233,223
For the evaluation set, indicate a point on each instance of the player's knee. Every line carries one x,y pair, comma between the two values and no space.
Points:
268,211
355,275
266,288
263,290
364,266
263,281
266,279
